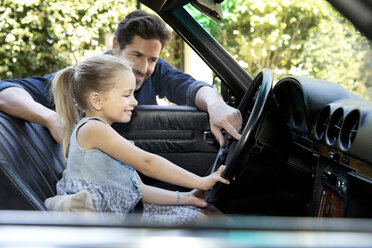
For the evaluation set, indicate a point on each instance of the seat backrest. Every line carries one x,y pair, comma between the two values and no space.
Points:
31,163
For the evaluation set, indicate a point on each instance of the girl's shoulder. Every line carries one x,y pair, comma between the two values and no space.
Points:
93,124
93,132
88,119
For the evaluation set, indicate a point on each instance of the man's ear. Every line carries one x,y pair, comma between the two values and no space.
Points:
115,46
95,100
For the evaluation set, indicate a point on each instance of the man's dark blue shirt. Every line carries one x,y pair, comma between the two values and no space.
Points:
166,81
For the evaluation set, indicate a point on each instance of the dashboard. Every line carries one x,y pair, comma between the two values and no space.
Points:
334,127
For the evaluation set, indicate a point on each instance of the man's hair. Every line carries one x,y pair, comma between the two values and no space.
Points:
143,24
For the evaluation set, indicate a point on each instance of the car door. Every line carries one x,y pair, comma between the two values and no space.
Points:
180,134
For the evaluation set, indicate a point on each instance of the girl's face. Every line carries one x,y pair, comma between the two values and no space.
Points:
119,102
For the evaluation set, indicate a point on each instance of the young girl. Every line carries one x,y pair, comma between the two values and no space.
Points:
102,162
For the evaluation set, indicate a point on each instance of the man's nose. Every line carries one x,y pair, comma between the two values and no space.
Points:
142,66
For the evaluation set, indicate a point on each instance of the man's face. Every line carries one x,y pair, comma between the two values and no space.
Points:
143,54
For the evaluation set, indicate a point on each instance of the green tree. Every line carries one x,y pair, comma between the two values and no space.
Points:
38,37
294,37
267,33
346,58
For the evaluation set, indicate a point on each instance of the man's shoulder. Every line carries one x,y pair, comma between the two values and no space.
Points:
45,77
32,78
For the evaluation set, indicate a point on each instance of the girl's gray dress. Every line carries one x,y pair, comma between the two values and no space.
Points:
112,185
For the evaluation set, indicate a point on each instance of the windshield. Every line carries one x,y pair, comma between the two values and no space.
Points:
306,38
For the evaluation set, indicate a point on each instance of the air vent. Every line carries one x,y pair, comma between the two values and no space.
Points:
349,129
334,126
322,123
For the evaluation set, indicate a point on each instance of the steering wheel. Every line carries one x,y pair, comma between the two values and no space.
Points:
234,151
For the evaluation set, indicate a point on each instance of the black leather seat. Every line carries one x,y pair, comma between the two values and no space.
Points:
31,163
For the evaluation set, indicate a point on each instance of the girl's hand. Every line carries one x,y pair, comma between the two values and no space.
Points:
212,179
194,197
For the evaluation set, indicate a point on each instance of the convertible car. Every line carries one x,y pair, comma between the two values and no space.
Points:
305,153
304,146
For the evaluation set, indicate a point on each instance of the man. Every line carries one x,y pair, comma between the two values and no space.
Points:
140,38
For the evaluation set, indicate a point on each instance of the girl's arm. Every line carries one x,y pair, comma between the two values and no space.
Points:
98,135
158,196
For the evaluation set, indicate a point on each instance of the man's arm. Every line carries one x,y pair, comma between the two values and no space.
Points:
221,115
19,103
181,88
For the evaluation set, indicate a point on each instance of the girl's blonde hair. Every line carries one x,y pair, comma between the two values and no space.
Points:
71,87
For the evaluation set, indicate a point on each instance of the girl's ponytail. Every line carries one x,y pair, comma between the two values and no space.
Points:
65,105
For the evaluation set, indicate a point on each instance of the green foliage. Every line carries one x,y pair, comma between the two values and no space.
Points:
289,37
38,37
345,59
261,34
172,51
305,37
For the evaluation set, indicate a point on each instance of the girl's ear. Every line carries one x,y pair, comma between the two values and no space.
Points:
95,100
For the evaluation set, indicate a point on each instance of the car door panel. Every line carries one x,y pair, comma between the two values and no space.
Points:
180,134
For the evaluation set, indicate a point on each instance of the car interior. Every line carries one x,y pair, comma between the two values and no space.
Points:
305,149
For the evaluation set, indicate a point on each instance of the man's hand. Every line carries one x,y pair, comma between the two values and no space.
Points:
223,116
55,127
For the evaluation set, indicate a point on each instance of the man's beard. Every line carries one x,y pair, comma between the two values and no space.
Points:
140,82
